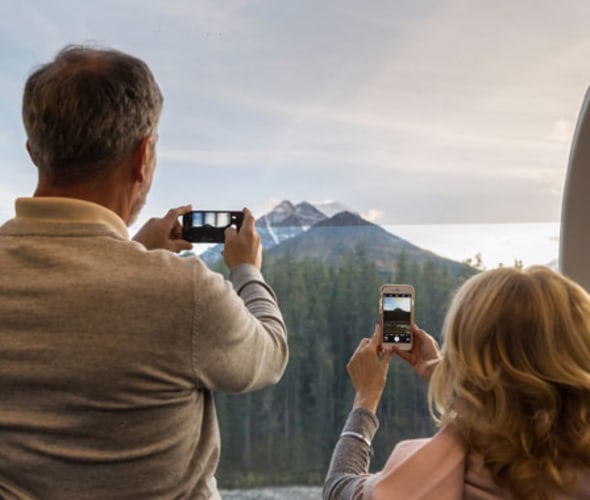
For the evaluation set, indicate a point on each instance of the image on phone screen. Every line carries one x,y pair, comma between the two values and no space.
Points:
397,318
212,219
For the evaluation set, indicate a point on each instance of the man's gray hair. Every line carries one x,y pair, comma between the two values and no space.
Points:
87,110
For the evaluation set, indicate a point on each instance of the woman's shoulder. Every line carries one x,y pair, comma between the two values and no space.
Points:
445,441
479,484
423,468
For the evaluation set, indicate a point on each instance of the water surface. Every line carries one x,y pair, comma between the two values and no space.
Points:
284,493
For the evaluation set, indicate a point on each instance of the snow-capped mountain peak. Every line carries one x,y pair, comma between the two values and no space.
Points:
285,214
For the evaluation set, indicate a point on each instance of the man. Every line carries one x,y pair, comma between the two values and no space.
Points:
110,348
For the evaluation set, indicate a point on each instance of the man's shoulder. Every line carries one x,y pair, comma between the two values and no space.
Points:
165,261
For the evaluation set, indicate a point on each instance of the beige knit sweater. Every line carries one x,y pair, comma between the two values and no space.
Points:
109,354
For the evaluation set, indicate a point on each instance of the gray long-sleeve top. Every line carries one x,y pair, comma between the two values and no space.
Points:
351,457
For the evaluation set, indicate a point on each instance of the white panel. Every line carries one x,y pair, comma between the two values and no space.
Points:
575,235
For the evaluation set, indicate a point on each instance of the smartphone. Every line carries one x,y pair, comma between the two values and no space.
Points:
208,226
396,308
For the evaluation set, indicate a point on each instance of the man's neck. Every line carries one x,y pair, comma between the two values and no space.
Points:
101,193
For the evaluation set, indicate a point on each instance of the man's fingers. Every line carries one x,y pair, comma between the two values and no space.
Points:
230,233
176,231
174,213
249,221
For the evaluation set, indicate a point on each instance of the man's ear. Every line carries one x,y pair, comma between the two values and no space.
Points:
30,151
141,159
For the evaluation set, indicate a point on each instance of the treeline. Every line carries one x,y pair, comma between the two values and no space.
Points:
285,434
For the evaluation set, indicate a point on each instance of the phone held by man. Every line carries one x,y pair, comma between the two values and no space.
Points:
208,226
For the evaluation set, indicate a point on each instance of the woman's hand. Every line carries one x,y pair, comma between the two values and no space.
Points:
368,371
423,355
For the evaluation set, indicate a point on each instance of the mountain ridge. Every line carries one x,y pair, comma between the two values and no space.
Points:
332,238
307,232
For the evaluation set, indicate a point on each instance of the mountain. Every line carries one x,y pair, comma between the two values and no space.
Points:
283,222
342,234
286,221
307,232
398,315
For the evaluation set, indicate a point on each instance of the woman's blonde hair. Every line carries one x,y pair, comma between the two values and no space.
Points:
514,377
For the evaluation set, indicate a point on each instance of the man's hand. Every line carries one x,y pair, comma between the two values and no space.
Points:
243,247
164,233
368,371
423,354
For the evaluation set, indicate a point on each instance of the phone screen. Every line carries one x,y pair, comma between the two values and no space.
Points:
397,318
208,226
212,219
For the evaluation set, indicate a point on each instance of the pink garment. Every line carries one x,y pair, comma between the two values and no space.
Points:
422,469
439,468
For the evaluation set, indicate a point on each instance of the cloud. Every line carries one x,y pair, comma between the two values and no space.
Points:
373,215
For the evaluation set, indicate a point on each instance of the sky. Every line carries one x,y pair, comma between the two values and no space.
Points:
434,112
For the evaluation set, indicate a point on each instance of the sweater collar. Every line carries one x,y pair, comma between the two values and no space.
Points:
69,210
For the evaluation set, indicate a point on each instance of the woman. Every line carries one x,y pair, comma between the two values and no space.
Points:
510,391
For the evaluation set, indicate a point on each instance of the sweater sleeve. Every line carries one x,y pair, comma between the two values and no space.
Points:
351,457
239,335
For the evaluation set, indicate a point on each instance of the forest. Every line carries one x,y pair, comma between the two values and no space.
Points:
285,434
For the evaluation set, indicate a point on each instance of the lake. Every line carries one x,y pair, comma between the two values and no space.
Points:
283,493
